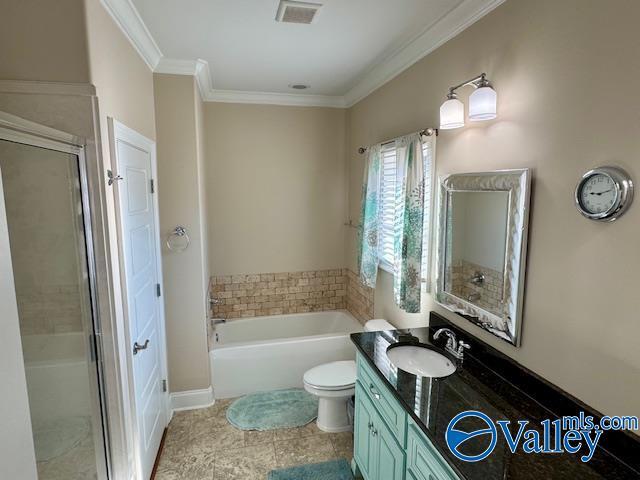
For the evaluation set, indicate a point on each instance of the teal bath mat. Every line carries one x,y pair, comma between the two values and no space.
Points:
333,470
272,410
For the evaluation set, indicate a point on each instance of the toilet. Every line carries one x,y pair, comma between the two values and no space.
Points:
334,384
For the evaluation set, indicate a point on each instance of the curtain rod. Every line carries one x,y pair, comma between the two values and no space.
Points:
427,132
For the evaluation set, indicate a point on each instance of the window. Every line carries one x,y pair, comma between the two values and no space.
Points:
388,206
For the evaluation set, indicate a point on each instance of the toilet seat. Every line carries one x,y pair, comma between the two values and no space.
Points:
332,376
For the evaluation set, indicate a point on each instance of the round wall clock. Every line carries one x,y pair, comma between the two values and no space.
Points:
604,193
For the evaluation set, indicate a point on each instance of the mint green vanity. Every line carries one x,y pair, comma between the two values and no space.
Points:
388,445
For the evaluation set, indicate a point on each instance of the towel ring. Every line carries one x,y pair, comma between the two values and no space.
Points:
179,232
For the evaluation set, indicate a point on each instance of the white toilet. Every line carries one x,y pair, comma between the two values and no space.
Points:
334,384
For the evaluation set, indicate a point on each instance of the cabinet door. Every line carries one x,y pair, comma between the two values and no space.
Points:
423,461
364,442
390,458
386,405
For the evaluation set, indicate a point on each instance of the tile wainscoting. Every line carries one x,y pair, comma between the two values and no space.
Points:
360,299
49,309
490,290
263,294
281,293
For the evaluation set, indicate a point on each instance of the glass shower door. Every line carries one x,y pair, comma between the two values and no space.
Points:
48,228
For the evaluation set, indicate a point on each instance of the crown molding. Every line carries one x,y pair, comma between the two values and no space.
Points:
268,98
203,78
128,19
450,25
197,68
177,66
201,71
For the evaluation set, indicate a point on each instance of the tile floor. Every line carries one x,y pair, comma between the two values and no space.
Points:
202,445
77,458
79,463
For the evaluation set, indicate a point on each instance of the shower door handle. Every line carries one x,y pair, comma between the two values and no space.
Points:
137,347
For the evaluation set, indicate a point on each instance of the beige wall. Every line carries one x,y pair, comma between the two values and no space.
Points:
43,41
77,41
184,272
558,68
201,164
123,81
276,188
124,88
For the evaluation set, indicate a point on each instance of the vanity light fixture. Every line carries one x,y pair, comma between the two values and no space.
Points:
482,104
451,112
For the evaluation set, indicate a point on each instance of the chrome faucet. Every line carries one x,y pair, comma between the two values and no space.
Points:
477,278
454,347
212,303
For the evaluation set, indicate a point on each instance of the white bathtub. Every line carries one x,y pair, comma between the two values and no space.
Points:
273,352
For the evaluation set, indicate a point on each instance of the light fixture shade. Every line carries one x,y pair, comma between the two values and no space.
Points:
451,114
482,104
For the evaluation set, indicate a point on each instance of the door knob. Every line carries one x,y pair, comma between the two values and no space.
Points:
137,347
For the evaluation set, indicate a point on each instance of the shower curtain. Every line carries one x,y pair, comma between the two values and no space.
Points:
408,223
409,220
368,232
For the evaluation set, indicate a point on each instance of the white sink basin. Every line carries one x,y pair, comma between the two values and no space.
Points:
421,361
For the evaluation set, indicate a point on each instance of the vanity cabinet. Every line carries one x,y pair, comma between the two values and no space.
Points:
376,451
388,444
384,401
423,461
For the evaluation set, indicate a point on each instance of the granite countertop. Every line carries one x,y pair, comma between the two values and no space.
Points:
504,391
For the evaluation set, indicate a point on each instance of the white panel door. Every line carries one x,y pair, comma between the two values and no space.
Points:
138,247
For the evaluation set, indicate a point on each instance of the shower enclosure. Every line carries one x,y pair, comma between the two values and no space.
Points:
44,191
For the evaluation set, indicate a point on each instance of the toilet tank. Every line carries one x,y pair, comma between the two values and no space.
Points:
378,324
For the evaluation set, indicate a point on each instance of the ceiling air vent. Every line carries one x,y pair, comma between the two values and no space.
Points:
290,11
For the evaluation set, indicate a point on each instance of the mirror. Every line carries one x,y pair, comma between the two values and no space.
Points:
482,248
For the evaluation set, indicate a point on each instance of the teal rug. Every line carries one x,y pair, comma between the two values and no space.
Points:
333,470
271,410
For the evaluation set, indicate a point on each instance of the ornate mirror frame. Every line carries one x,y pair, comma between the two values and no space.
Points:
517,183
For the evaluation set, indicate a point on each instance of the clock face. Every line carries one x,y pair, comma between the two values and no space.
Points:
598,194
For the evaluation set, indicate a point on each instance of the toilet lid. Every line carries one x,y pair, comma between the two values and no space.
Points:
332,376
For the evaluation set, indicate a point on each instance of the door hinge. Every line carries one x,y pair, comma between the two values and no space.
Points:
164,385
158,291
95,342
153,186
93,347
112,178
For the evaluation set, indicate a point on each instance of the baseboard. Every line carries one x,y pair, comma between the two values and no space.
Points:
191,399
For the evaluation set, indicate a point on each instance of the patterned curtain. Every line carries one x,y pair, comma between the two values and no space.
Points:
408,223
368,233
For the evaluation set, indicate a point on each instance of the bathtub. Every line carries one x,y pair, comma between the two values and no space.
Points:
269,353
